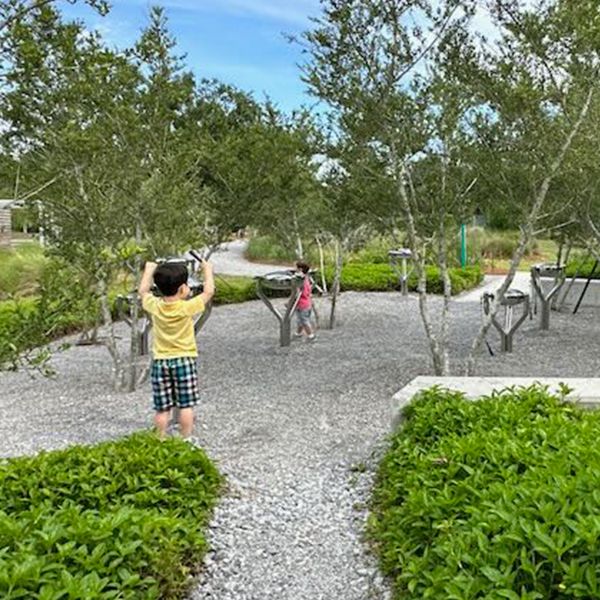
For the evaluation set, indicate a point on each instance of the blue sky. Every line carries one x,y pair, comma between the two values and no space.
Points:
237,41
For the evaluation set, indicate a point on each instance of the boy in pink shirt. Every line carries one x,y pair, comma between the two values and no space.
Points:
304,306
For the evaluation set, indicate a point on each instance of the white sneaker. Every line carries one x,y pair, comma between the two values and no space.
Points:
312,337
193,441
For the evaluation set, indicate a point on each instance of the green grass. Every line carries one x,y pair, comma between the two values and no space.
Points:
21,270
121,520
495,499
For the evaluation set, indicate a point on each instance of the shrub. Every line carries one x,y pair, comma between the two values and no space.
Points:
381,277
491,499
583,269
265,248
230,289
497,245
120,520
375,251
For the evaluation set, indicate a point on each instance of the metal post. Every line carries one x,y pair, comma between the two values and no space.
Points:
551,270
585,288
404,284
510,300
463,245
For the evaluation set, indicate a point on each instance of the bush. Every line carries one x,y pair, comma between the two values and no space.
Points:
582,269
269,250
381,278
491,499
265,248
497,245
120,520
230,289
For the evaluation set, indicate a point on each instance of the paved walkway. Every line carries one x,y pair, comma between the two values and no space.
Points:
492,282
230,260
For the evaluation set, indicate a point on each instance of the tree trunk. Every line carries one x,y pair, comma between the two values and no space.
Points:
335,288
444,337
419,264
298,238
322,264
111,341
559,300
526,234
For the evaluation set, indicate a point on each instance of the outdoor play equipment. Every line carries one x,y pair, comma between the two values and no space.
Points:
289,281
125,302
585,287
507,330
557,274
399,261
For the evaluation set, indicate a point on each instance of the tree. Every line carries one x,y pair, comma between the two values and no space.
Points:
363,59
542,77
425,96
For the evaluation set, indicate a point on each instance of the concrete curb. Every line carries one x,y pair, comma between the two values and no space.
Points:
584,391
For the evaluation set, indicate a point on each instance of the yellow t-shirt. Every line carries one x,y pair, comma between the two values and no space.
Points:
173,326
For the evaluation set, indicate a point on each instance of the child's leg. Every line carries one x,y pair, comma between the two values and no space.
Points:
186,421
186,387
162,394
161,420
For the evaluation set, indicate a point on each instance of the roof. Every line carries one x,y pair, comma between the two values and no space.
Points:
11,204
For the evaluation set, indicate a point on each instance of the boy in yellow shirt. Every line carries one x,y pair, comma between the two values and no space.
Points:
174,351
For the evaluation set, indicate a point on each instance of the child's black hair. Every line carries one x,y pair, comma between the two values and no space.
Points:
169,277
303,266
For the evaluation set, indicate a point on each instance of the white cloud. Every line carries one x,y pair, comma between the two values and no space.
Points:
296,12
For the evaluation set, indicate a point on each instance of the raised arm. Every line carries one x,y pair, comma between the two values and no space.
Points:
209,282
146,283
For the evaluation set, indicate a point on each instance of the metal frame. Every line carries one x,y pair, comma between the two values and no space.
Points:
402,256
547,270
124,304
507,330
281,281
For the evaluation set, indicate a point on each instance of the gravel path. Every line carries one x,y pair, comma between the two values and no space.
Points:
297,431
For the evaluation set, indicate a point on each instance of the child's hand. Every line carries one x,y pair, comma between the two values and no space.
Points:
150,266
206,266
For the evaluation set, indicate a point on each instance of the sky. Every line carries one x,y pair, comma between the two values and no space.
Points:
241,42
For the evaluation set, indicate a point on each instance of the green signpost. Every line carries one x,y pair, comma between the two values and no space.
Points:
463,245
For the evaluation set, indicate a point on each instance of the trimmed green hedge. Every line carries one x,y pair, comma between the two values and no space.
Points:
494,499
119,520
584,270
379,277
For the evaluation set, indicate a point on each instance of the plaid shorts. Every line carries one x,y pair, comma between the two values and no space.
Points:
174,383
303,317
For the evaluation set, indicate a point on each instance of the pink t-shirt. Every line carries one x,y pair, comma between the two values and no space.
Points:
305,301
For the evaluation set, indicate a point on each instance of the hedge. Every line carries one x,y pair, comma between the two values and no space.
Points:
379,277
119,520
491,499
582,270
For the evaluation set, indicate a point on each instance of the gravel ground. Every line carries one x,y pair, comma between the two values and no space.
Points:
297,431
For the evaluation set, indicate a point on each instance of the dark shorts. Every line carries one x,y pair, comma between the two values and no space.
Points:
174,383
